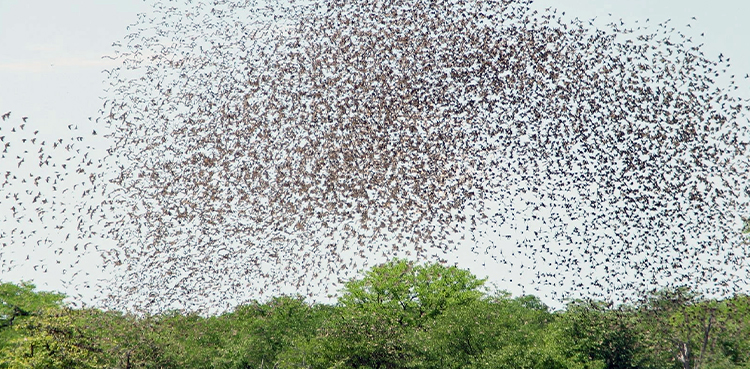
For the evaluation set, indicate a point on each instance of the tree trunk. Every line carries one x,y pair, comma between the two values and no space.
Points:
705,339
683,355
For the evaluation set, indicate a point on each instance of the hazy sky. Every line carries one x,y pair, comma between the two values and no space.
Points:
51,57
51,51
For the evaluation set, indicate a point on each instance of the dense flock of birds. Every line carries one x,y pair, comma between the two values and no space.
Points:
283,146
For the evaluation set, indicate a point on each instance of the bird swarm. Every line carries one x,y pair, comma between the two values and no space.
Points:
262,145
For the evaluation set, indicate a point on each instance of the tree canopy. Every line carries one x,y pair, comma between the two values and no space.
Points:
388,319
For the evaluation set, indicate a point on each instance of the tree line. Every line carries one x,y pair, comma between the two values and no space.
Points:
398,315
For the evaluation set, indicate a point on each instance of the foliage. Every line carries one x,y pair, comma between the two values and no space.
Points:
20,300
17,303
258,334
695,332
130,341
398,315
55,338
466,335
380,311
412,292
599,333
48,334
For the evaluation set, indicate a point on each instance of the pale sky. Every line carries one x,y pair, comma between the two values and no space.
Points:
51,65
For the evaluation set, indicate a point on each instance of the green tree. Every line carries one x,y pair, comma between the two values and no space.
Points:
129,341
380,311
601,333
496,332
694,332
38,330
18,302
733,337
274,333
55,338
411,293
190,340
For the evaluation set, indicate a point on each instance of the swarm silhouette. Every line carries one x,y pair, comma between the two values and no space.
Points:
294,141
264,146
